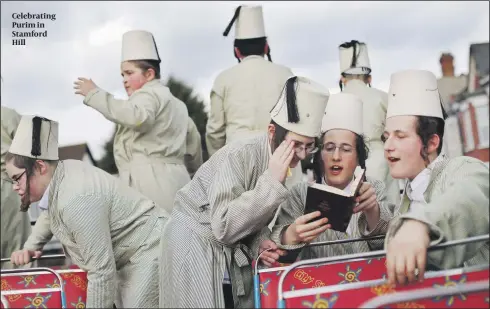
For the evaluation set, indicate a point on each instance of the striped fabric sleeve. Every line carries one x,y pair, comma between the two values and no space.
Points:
87,217
41,233
237,213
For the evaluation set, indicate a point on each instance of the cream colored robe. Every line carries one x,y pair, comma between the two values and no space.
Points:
375,104
151,139
109,230
214,223
241,100
15,225
193,156
457,207
294,208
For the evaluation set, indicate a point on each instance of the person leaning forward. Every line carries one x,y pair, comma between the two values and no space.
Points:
205,255
444,199
105,227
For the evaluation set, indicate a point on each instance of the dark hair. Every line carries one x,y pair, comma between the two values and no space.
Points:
279,136
363,77
362,151
248,47
29,164
425,128
145,65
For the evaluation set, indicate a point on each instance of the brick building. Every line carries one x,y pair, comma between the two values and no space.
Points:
469,109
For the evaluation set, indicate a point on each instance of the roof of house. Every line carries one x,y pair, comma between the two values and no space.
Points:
76,152
480,52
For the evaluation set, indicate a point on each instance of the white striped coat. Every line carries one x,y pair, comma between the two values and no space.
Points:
213,224
107,229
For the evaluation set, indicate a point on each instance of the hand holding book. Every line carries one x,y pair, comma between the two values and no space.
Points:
304,230
366,199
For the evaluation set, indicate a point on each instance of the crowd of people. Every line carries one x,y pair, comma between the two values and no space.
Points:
154,237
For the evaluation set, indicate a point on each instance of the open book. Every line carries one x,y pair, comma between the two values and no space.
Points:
334,204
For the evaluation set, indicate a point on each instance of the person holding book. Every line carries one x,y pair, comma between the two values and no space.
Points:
108,229
343,150
205,245
444,199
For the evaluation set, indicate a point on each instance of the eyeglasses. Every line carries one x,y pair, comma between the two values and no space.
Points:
343,148
15,180
309,148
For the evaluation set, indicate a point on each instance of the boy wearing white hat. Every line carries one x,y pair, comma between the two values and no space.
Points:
243,95
232,197
355,70
343,150
106,228
152,125
444,199
16,223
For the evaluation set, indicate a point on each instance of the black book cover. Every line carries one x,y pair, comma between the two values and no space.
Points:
334,204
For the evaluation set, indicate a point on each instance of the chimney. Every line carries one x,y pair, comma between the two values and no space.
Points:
447,65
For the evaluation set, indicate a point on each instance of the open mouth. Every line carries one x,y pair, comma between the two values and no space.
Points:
336,169
393,159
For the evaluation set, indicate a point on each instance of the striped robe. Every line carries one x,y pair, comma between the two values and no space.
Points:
107,229
15,225
213,224
294,208
457,207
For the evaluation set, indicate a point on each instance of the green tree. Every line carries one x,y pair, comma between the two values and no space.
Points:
195,107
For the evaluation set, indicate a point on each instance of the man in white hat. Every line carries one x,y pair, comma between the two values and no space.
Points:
243,95
343,151
233,196
355,70
444,199
106,228
152,125
16,224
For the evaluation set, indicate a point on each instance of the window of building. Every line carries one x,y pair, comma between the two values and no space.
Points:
468,131
482,122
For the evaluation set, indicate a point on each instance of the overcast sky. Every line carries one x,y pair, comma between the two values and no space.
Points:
85,40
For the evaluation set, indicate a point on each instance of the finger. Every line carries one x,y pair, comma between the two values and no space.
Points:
365,195
314,233
390,266
26,257
266,263
400,268
410,268
83,79
311,226
289,158
281,252
289,148
421,259
272,255
79,92
367,204
363,188
305,218
280,149
37,254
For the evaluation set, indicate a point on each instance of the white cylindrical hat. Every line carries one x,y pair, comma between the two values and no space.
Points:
301,106
354,58
344,111
414,93
249,23
139,45
36,137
